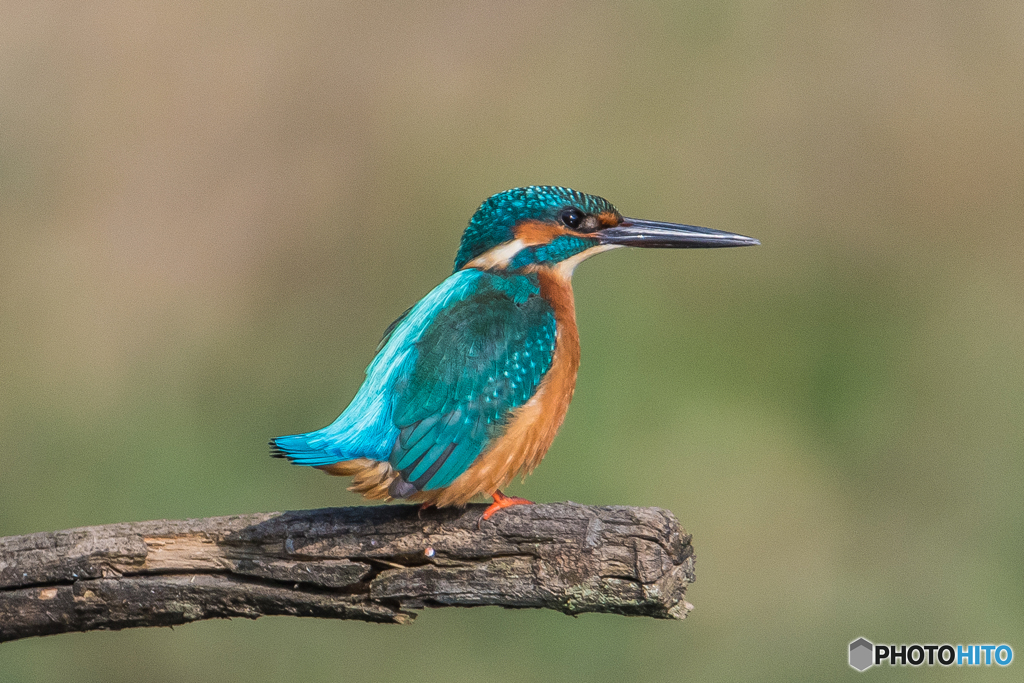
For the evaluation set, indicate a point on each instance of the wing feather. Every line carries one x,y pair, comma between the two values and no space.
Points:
479,359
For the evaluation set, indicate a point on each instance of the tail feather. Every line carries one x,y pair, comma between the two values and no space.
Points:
370,477
298,450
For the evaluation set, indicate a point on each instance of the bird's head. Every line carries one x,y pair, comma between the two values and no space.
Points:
544,226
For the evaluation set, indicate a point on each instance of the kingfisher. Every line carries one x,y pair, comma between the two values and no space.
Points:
470,385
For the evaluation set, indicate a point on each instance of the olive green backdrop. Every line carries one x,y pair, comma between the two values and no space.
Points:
209,212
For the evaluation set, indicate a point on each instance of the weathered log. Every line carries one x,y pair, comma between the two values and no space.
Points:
369,563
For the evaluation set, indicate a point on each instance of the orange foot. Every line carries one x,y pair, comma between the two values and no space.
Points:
501,501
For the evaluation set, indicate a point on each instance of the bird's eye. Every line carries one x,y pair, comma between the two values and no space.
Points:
571,217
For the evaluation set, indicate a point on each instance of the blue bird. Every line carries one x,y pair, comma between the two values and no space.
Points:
471,384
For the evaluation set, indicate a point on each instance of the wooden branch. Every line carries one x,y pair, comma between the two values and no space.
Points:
369,563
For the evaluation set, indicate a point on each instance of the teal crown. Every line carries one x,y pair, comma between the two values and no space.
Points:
494,222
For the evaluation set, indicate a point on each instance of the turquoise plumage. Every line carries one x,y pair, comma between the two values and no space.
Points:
480,358
454,366
470,385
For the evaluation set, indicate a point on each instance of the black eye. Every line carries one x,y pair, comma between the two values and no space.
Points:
571,217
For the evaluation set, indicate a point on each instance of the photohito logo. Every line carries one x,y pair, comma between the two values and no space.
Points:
864,654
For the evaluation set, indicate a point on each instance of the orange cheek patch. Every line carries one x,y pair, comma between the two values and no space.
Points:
609,219
533,233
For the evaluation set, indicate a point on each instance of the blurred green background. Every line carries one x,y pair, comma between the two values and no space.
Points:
209,212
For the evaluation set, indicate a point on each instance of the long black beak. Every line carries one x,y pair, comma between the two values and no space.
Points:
632,232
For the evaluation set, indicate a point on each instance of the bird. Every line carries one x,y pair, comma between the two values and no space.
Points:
470,385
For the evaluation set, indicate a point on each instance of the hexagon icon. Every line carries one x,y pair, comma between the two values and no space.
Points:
861,654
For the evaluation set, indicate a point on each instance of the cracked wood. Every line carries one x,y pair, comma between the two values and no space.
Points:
369,563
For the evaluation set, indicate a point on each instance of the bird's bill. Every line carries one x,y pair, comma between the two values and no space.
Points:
633,232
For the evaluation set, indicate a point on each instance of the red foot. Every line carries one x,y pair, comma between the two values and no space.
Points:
501,501
419,513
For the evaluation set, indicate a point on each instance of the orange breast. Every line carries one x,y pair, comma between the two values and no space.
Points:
534,424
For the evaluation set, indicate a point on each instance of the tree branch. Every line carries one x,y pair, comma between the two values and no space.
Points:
369,563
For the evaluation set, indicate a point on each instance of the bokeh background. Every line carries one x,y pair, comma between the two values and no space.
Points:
209,212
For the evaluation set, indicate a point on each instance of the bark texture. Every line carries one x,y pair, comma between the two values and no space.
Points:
369,563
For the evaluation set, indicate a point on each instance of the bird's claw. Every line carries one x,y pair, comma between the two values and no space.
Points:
501,501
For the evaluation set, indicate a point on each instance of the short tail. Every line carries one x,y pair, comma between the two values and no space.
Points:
372,478
299,451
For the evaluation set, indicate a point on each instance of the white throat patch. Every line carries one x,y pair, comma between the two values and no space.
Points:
498,257
565,268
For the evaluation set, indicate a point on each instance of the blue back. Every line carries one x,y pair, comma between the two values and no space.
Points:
444,383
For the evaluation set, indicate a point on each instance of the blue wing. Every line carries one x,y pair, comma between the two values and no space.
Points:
450,372
365,429
478,360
